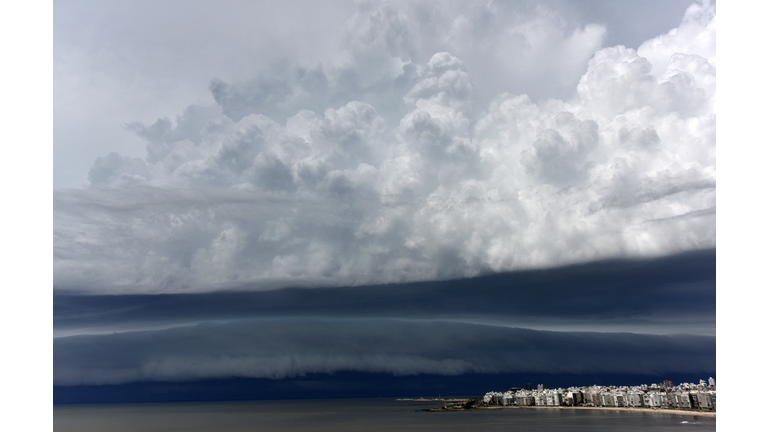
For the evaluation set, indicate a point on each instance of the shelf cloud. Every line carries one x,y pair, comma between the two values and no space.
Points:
276,349
329,191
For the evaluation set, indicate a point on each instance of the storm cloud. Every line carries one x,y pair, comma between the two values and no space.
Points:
637,312
382,189
661,296
276,349
395,162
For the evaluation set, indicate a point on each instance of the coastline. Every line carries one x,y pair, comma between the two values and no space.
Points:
665,411
649,410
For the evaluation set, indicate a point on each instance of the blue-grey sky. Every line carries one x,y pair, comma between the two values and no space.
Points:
485,169
610,320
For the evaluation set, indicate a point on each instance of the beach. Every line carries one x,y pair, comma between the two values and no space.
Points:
460,402
665,411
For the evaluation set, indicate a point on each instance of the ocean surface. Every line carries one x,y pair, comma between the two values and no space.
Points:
383,414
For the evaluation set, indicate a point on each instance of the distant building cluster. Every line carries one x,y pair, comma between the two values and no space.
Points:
701,396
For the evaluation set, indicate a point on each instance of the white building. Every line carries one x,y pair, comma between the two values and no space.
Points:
635,399
655,399
553,398
681,399
493,398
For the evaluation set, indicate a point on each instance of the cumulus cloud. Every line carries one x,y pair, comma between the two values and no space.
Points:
392,163
280,348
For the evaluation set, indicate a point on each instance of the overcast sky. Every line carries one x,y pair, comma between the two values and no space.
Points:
340,148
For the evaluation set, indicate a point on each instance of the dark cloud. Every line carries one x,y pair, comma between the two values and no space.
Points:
672,295
279,348
340,385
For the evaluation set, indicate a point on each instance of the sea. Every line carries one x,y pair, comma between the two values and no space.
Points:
379,414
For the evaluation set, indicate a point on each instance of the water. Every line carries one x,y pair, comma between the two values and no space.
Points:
354,415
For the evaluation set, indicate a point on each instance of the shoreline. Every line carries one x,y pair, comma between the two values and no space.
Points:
432,400
665,411
628,409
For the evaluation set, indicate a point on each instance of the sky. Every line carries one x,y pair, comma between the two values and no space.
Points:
393,190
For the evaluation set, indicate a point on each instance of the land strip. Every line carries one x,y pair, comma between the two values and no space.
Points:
460,407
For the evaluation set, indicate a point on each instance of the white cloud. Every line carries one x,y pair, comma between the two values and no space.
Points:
695,35
390,165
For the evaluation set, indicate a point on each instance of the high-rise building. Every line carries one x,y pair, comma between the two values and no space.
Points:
711,381
529,387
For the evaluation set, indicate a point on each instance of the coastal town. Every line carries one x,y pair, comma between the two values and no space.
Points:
684,396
